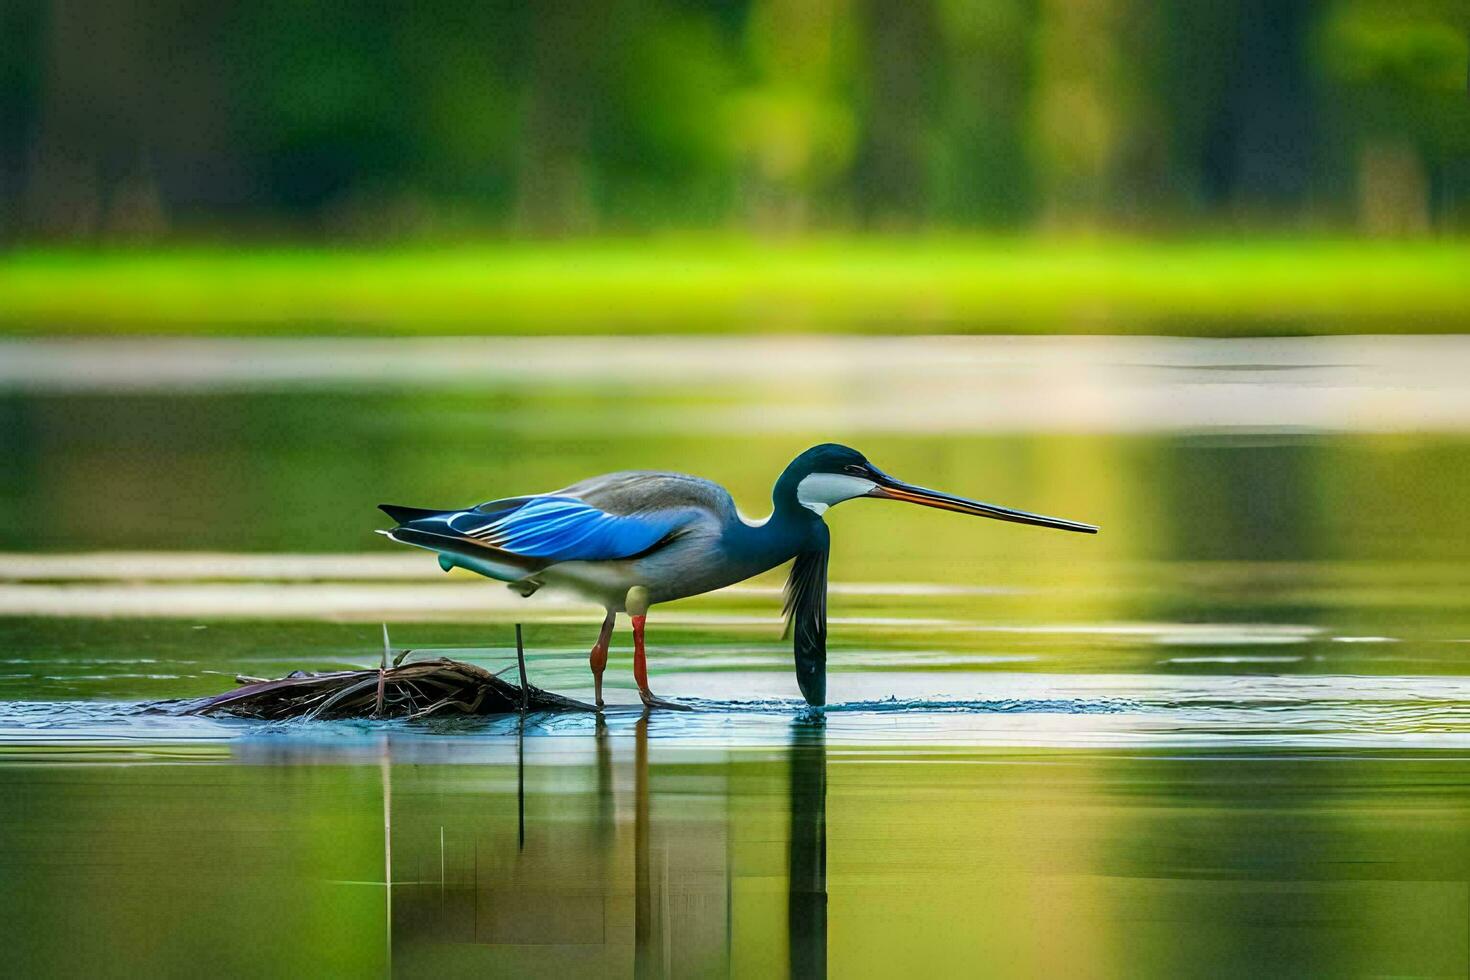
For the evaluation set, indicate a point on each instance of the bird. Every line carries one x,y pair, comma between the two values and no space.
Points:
633,539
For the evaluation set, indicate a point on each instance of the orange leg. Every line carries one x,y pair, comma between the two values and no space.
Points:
598,657
640,670
640,660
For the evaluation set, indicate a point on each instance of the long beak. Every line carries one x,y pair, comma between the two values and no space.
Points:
890,489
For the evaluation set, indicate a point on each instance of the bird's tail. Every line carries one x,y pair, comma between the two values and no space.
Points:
404,515
428,529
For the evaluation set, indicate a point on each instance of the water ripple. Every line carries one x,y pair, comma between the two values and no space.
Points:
897,705
1130,711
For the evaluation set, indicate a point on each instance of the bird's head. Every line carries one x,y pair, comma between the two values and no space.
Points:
830,473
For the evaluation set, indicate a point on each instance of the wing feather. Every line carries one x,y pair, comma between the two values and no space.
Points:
554,528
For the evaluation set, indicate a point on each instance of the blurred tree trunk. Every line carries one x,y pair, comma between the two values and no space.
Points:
981,170
1100,130
1393,189
554,186
20,25
1080,113
90,173
1260,143
794,125
892,172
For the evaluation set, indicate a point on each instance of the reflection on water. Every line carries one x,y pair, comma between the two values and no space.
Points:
1227,736
626,852
1020,709
806,913
1298,450
607,871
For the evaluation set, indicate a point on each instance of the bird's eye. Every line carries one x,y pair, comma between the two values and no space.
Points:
854,469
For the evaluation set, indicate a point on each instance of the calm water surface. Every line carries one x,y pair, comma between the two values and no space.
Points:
1228,736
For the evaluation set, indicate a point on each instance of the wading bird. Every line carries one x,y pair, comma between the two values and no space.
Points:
630,540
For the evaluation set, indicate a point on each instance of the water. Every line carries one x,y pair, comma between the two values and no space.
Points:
1229,735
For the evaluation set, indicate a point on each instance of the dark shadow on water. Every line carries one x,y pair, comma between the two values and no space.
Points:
521,782
643,961
807,856
606,804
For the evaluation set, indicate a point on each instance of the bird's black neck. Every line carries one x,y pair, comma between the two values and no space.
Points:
790,530
784,497
791,523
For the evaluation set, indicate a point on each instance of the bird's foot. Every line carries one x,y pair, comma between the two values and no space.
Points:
650,700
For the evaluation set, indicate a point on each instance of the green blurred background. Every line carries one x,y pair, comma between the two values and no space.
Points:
677,144
182,118
1281,592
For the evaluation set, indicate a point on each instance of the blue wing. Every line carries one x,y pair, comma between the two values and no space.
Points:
554,528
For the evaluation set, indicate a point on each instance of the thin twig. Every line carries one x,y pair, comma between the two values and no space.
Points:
521,663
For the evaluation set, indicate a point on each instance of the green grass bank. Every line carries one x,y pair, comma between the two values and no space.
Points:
705,286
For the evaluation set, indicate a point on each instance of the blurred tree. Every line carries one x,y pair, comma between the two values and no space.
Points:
1400,69
90,169
793,125
203,117
896,105
981,170
331,108
463,66
1089,107
664,138
22,26
567,57
1261,141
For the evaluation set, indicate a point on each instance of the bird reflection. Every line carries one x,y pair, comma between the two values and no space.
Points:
643,959
807,858
606,818
520,772
512,866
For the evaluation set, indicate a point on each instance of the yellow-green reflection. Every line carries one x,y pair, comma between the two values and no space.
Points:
303,472
642,857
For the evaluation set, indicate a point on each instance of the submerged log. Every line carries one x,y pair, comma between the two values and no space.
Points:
418,689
